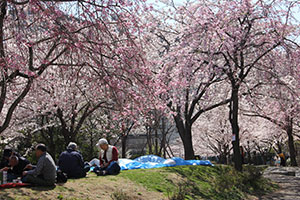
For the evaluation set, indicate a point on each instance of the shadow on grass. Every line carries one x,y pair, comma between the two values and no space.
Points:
5,193
43,188
60,184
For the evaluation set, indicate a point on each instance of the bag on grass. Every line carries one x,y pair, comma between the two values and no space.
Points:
61,177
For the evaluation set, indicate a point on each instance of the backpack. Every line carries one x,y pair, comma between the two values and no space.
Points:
61,177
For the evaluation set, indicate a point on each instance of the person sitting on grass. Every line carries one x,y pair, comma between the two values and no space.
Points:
16,167
108,159
5,158
44,174
71,162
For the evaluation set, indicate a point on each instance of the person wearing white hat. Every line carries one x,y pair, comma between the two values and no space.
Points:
108,159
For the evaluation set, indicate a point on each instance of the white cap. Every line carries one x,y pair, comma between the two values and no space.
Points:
102,141
72,145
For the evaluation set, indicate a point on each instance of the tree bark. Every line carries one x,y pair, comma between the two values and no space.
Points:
162,149
233,118
189,153
91,149
14,105
123,141
156,140
52,146
289,131
67,134
3,8
149,140
185,132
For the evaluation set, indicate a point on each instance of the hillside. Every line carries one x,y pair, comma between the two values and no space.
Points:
182,182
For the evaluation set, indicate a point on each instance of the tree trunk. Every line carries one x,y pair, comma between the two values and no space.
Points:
156,141
149,140
185,132
189,153
3,7
91,149
162,149
52,145
289,131
225,154
171,152
68,136
124,140
233,117
248,150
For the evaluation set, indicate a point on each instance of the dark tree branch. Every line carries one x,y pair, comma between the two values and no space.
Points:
15,104
278,123
250,66
87,113
3,86
195,117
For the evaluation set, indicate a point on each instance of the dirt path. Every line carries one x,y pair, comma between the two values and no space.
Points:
288,179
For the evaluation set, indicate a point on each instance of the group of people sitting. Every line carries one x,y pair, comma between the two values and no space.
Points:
70,162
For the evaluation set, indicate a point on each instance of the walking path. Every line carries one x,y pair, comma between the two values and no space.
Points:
288,179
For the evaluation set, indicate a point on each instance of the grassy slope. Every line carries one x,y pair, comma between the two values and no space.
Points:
200,182
189,182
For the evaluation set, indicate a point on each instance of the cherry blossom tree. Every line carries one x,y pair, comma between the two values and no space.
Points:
277,99
91,57
184,82
212,134
234,38
20,63
213,137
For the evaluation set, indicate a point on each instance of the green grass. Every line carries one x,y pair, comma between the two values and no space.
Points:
173,183
218,182
153,179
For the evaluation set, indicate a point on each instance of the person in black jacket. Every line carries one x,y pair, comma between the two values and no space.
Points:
71,162
17,165
5,158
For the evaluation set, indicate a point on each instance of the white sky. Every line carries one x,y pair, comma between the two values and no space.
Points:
157,2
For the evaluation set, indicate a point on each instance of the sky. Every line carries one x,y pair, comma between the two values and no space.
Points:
178,2
158,3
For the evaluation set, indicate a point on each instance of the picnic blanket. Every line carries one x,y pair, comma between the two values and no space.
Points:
12,185
153,161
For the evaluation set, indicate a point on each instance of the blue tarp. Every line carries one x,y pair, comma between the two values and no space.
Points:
152,161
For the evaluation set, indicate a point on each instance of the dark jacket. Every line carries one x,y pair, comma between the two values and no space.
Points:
4,160
4,163
18,169
71,163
